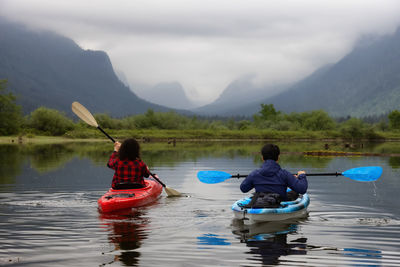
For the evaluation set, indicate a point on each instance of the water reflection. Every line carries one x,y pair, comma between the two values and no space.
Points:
350,223
212,239
394,162
362,253
49,157
269,241
126,231
10,163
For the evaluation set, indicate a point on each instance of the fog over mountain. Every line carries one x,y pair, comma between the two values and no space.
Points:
239,93
206,46
170,94
365,82
46,69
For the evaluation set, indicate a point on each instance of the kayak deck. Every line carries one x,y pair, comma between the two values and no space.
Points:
121,199
287,210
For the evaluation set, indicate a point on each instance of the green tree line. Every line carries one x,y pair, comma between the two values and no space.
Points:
45,121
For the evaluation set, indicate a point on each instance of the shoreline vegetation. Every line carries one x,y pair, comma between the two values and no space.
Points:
308,147
173,136
45,125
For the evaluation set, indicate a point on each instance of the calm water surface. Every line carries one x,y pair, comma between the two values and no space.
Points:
49,217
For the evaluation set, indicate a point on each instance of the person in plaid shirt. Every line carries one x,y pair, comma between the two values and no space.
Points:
129,168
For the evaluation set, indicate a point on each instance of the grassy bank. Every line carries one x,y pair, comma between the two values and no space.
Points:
44,139
189,135
249,134
91,134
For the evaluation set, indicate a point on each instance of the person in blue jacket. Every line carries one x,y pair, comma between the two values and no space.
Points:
272,180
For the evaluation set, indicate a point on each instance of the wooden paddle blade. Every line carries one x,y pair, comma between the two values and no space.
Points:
213,177
171,192
364,174
84,114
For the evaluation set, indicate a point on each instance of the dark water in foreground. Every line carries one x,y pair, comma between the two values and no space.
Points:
49,217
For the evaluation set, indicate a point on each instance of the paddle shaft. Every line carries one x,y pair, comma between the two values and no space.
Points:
106,134
239,176
87,117
112,139
307,174
158,180
362,174
324,174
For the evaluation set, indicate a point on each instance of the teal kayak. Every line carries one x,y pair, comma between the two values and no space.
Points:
287,210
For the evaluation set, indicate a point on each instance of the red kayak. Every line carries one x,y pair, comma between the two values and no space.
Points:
129,198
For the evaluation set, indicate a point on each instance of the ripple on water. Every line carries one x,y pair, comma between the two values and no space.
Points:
55,200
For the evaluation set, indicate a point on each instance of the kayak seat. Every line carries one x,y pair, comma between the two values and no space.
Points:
264,200
128,186
292,195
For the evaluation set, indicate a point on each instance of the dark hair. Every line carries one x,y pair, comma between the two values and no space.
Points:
130,150
270,151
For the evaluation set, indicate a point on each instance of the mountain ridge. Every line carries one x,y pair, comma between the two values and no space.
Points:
47,69
168,94
237,92
365,82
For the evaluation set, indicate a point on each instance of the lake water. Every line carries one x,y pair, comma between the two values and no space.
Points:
49,216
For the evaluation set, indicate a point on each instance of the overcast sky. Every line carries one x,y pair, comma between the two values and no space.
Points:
206,44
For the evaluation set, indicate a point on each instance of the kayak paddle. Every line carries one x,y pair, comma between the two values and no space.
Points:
87,117
362,174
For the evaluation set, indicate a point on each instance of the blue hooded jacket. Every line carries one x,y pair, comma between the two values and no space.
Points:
271,178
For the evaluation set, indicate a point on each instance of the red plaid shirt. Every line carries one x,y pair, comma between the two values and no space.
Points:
127,171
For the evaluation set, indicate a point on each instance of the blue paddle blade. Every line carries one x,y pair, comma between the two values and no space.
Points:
213,177
364,174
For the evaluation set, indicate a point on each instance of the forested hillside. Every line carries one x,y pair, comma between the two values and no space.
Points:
45,69
366,82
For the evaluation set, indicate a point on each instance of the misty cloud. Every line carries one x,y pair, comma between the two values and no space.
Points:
205,45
